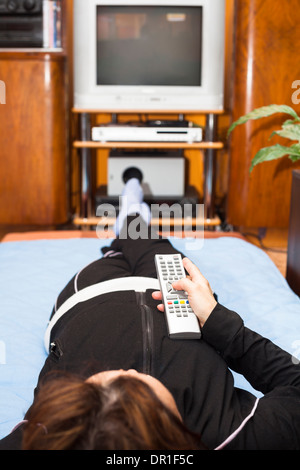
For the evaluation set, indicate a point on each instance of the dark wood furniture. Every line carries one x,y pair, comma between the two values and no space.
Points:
293,260
33,139
34,132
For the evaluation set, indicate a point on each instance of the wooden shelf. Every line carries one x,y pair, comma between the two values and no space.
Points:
157,222
147,111
154,145
30,50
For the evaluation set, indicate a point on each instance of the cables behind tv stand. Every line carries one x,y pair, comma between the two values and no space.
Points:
144,121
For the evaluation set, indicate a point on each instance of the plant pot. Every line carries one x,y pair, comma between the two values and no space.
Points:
293,258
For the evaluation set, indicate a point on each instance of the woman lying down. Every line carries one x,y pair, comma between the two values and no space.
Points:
114,379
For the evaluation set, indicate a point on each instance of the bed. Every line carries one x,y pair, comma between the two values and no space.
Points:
34,267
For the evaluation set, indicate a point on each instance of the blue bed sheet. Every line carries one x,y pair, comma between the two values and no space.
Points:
32,273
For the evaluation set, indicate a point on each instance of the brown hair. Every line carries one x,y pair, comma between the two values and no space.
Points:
70,413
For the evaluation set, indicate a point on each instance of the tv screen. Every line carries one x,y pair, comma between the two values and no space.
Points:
149,45
149,55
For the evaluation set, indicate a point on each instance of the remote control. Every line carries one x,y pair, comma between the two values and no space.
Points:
181,321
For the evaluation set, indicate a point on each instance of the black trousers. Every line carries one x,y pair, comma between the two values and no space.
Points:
126,256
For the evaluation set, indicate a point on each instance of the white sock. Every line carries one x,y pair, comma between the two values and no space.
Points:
132,203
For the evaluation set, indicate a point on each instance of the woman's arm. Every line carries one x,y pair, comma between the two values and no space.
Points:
262,363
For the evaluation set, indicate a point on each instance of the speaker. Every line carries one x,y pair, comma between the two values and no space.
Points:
162,175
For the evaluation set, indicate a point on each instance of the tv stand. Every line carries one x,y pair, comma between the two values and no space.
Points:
85,146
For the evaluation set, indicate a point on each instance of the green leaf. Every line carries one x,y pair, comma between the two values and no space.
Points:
290,131
274,152
264,111
295,154
294,158
288,122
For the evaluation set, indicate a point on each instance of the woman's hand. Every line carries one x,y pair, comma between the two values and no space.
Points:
199,292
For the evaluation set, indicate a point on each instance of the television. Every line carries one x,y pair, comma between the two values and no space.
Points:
149,55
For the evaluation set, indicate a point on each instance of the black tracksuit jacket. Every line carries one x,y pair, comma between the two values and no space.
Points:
124,330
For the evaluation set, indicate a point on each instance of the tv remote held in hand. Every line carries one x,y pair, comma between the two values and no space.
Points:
182,322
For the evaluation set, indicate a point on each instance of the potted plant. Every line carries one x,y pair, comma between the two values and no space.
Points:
290,129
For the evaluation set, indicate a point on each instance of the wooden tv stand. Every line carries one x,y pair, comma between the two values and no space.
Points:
84,145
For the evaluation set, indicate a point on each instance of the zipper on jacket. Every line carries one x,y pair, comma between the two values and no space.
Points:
147,332
55,350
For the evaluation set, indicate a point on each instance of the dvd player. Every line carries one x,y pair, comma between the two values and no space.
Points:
146,134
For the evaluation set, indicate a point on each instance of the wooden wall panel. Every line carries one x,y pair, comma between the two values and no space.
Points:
33,139
267,45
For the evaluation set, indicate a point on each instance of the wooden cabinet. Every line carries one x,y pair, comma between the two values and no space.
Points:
33,139
34,131
267,44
